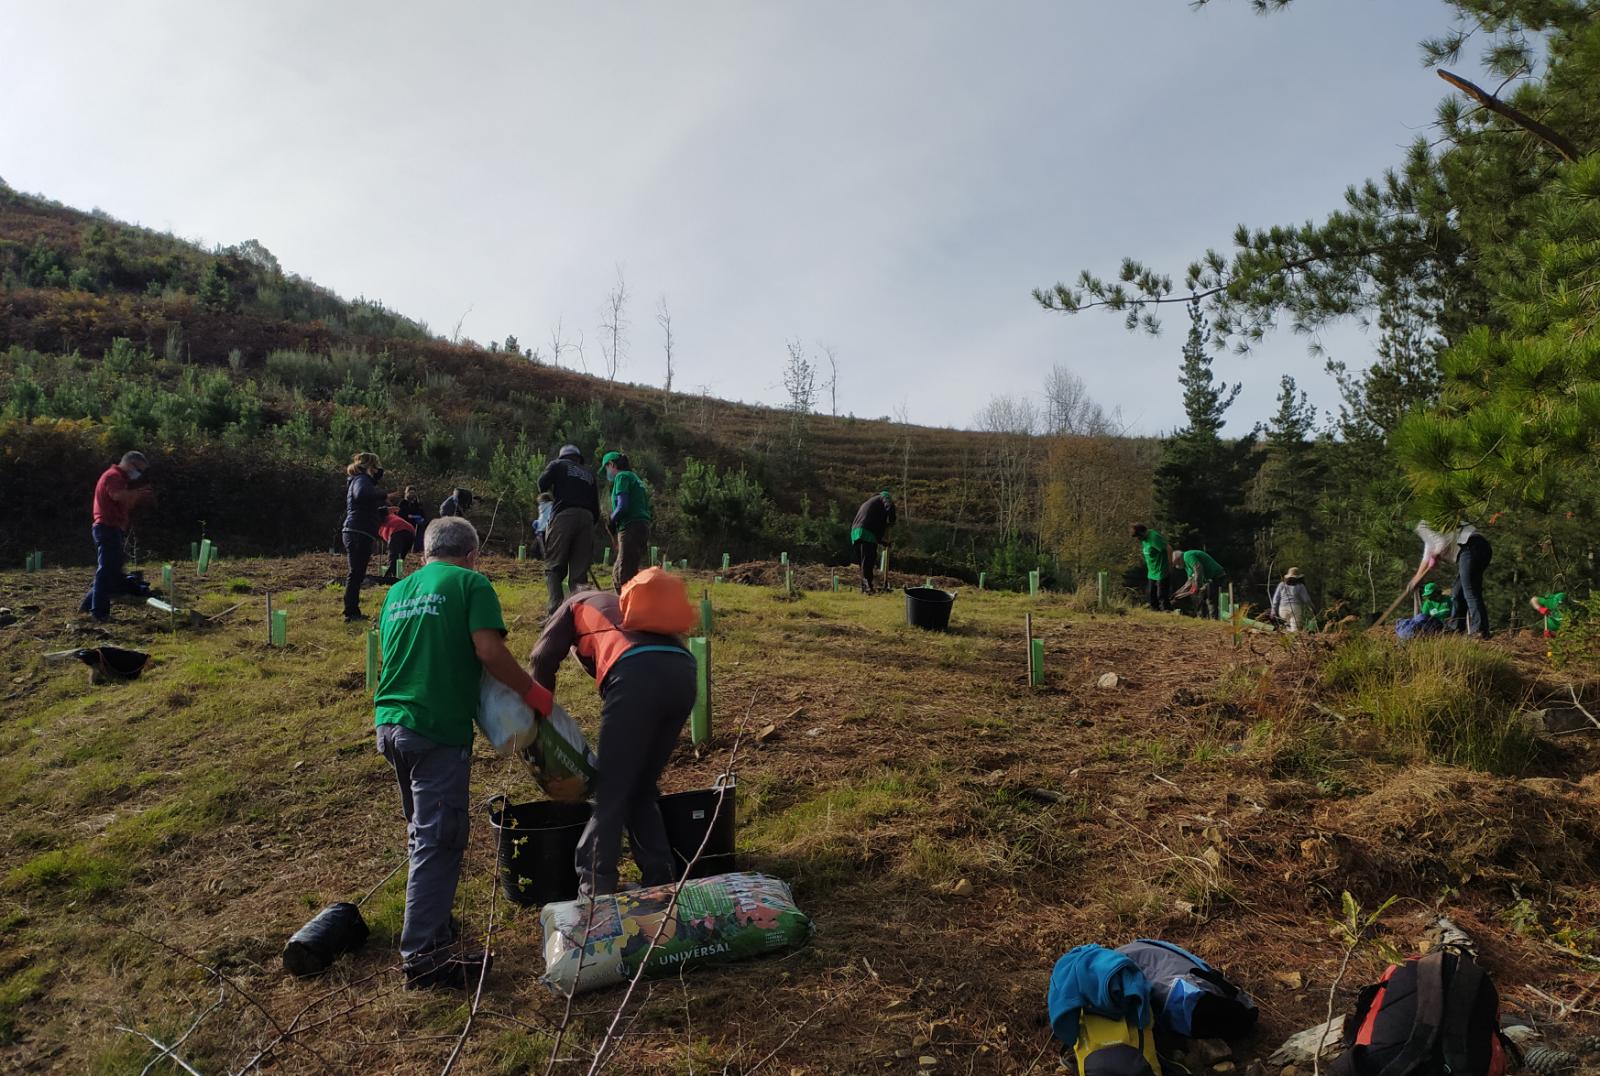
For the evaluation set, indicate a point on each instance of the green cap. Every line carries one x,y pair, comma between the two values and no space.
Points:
885,495
1430,590
610,457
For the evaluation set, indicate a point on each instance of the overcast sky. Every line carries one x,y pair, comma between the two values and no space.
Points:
888,177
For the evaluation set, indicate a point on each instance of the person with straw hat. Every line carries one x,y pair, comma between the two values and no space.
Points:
1291,601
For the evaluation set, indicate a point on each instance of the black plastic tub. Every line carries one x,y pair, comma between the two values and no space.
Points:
538,848
690,816
336,930
929,607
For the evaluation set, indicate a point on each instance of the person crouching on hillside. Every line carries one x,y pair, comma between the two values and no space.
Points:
114,502
1153,548
459,503
631,517
396,530
647,688
363,510
441,628
868,530
1205,580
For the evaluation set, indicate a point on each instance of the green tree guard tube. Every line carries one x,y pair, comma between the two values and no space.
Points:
372,662
700,716
204,558
1036,669
280,627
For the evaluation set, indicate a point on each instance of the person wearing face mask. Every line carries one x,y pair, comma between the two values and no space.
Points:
364,502
114,502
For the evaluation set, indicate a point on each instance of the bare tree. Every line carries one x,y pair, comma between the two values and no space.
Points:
1069,408
1014,423
614,326
800,379
455,336
558,345
664,319
800,382
830,353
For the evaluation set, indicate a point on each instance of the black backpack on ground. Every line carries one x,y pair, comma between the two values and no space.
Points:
1432,1015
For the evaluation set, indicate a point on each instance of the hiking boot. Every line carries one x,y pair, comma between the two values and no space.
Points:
460,972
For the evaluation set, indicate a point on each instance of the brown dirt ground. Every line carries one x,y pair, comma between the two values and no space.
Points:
1166,810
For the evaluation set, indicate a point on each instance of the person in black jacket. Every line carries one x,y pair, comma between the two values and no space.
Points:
459,503
364,501
871,527
411,510
569,539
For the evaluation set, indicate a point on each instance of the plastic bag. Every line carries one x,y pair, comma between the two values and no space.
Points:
505,719
560,760
716,920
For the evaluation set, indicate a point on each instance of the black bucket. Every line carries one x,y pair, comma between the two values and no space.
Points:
538,848
336,930
929,607
689,817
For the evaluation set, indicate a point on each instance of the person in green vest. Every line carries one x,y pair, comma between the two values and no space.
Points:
870,528
630,517
1435,602
1549,607
1154,549
1205,580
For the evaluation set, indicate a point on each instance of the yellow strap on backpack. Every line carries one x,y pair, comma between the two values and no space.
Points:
657,601
1101,1033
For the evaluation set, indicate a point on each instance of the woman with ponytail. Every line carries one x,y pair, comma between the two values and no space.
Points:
363,506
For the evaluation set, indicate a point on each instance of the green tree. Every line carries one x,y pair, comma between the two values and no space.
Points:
214,292
1200,483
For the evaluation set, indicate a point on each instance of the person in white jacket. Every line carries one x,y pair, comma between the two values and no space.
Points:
1291,601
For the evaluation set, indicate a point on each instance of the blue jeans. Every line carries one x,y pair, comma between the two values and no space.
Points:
1468,611
433,781
109,577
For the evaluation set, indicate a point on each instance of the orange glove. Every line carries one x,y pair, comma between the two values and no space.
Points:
539,699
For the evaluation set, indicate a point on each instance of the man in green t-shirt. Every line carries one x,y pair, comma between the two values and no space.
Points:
441,629
1153,548
869,528
1205,579
630,517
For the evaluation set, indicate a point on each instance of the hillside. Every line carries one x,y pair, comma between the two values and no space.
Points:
113,336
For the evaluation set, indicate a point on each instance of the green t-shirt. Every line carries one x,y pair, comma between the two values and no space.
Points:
626,482
1552,602
1154,548
431,672
1201,564
1439,610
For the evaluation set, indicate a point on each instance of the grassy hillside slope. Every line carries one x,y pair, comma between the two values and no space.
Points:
252,385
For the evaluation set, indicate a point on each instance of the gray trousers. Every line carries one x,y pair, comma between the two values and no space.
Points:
633,549
433,793
568,552
647,700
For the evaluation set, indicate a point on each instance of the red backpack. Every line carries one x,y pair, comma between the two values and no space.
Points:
1432,1015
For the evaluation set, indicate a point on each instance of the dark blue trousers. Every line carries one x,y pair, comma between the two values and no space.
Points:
109,577
1468,611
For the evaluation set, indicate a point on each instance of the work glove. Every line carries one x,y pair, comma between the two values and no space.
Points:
539,700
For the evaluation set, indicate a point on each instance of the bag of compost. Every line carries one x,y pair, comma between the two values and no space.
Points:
504,719
560,760
716,920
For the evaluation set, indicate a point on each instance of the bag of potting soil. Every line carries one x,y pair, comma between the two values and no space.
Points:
715,920
1192,998
560,760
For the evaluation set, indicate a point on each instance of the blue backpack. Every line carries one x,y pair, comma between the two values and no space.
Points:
1191,998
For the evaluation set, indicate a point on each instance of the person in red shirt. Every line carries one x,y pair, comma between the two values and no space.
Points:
401,535
114,502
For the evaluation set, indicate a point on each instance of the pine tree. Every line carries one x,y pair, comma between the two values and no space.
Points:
1201,482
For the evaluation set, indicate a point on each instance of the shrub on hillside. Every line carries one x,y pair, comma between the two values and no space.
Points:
722,511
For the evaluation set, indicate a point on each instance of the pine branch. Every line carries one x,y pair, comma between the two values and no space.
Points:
1555,139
